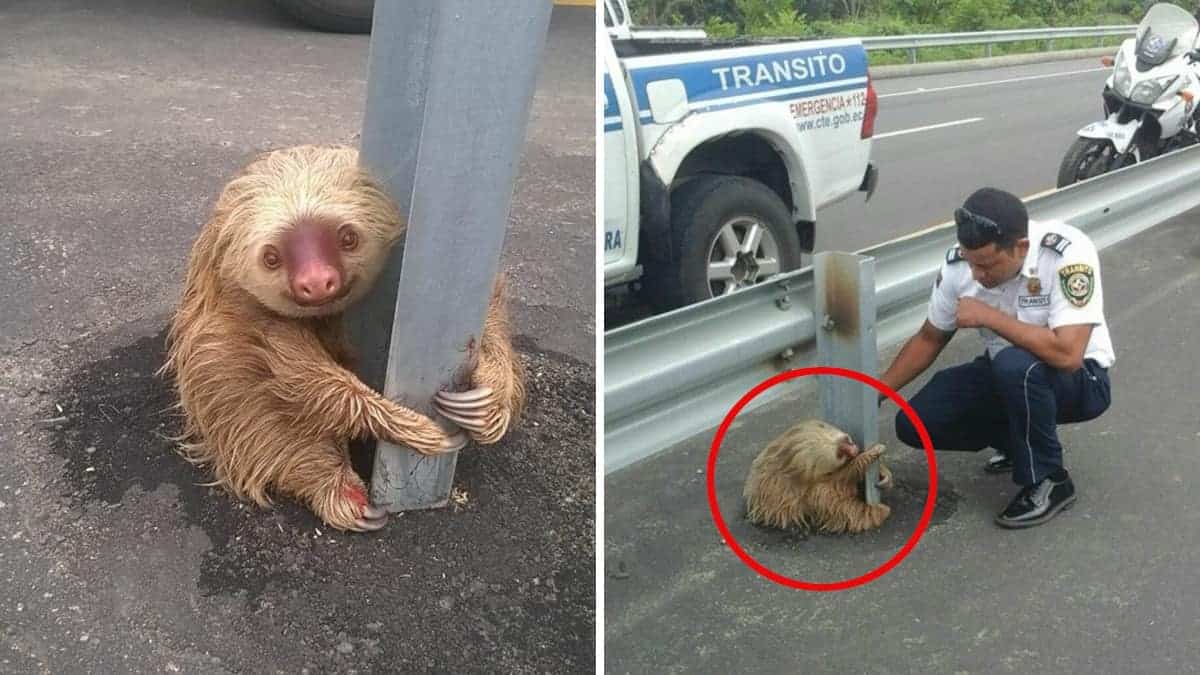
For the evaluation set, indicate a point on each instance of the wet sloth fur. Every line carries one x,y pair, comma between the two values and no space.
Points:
810,477
256,348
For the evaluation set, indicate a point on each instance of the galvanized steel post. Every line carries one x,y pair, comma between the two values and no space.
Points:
844,302
449,87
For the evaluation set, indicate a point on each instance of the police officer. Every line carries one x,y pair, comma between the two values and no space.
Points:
1033,291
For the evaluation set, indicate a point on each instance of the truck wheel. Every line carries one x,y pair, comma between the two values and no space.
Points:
336,16
728,233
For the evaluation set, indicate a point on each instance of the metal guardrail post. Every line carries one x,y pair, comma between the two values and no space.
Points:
912,55
844,303
449,87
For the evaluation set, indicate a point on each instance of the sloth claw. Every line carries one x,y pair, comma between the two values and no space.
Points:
369,524
464,398
374,512
465,408
454,442
369,519
479,411
475,424
472,410
465,405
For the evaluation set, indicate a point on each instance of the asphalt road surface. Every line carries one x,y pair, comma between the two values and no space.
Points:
1100,588
940,137
119,122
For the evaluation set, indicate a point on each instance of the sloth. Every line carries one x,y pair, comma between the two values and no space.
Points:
809,477
260,362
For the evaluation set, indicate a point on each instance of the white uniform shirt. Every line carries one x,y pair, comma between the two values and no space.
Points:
1059,285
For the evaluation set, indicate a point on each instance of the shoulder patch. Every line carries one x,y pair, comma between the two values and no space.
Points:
1056,242
954,255
1078,282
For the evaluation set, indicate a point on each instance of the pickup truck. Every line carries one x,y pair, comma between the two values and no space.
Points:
718,156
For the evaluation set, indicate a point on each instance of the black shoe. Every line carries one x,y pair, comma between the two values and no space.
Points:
999,463
1037,503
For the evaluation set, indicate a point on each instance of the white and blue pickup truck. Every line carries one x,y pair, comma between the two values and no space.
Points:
718,158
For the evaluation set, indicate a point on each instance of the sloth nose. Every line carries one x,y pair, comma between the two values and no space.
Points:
316,284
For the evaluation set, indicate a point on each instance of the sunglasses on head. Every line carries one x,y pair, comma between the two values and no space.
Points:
963,217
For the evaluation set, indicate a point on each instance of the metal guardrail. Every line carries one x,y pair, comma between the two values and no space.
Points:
675,375
911,42
917,41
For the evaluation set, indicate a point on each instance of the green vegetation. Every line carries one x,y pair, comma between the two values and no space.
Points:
861,18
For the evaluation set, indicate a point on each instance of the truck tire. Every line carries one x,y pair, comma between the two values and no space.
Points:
335,16
727,233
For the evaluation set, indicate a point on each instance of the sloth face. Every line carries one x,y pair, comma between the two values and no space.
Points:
308,231
818,449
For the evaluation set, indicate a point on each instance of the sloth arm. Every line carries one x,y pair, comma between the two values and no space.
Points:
496,352
498,381
334,401
857,467
915,357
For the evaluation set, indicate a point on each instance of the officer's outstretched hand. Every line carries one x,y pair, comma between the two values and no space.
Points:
972,313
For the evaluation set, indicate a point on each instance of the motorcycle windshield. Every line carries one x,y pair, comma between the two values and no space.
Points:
1165,32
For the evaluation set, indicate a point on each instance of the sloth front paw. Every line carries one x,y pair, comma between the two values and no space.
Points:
344,505
481,412
885,477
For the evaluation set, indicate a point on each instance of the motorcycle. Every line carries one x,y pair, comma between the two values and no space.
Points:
1149,99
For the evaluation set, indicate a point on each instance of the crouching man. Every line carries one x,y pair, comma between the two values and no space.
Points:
1033,290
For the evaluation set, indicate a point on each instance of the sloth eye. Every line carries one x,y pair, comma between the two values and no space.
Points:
347,238
270,258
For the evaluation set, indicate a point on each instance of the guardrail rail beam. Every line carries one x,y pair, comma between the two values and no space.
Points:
672,376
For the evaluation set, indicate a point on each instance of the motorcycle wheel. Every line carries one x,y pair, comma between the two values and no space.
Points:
1088,158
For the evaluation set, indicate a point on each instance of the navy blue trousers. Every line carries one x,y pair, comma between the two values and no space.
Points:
1012,403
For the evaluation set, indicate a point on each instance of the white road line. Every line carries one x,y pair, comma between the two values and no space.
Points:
948,223
1038,194
931,90
931,127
